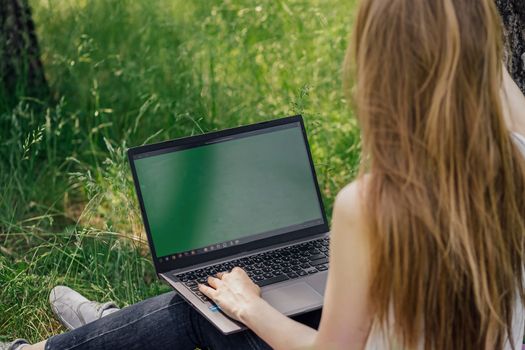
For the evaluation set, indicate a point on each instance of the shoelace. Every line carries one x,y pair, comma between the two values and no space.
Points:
98,306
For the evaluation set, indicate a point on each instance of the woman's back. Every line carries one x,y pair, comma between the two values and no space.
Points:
444,201
380,338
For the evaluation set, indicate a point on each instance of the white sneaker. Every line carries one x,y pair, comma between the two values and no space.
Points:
74,310
17,344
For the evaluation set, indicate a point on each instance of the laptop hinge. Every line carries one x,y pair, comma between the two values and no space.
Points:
243,254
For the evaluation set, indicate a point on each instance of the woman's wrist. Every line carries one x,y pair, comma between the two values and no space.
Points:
252,309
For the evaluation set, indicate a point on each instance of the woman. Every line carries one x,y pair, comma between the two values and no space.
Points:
427,249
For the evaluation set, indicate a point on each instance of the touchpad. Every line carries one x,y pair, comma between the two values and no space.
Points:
292,298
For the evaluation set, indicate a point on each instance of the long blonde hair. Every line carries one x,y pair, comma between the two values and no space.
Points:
446,195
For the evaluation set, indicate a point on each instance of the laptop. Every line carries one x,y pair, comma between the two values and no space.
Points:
246,197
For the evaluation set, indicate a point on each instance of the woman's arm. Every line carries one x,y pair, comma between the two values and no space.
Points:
278,330
346,319
513,104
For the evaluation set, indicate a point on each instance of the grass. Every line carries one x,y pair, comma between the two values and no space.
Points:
128,72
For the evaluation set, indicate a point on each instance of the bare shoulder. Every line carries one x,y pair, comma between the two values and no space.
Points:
350,229
350,202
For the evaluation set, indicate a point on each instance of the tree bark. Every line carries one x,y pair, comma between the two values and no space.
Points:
513,16
21,70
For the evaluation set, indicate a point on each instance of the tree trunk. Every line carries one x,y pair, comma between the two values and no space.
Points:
513,15
21,71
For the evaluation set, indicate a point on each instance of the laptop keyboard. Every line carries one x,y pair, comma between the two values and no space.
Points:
269,267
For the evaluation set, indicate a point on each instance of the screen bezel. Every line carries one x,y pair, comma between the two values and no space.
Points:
203,139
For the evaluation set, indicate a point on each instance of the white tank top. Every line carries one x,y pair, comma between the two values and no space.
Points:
520,141
379,338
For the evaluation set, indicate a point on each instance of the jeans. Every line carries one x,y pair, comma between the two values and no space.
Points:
162,322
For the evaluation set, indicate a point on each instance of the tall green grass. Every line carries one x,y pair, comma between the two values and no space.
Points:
128,72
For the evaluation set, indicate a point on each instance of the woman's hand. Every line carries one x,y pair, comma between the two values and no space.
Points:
234,292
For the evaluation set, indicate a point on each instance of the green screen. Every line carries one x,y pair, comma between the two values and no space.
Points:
228,190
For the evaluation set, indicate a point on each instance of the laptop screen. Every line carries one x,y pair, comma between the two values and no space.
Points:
228,191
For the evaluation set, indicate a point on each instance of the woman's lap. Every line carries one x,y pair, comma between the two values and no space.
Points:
162,322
